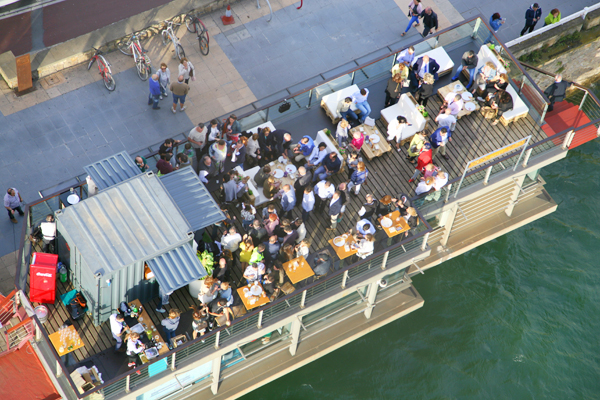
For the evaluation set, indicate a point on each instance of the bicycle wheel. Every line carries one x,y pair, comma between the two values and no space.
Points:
109,81
179,51
124,46
203,31
203,44
165,37
142,70
91,63
189,23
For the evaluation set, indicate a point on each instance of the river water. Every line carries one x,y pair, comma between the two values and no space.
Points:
516,318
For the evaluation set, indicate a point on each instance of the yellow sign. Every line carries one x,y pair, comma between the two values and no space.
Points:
497,153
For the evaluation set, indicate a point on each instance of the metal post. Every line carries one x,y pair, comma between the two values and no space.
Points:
127,379
476,28
344,279
522,151
296,326
260,316
425,238
303,301
522,84
58,369
173,368
384,262
448,190
488,172
583,100
567,140
217,337
371,296
526,159
353,73
310,98
216,374
544,113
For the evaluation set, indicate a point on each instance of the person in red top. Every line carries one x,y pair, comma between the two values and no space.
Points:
425,157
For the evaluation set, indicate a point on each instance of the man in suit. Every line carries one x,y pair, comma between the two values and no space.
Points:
426,65
439,139
304,179
335,208
557,91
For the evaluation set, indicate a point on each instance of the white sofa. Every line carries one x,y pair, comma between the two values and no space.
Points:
407,107
441,57
268,124
322,137
257,191
520,109
330,102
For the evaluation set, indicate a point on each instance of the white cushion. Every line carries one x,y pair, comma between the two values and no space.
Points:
407,109
519,106
257,192
440,56
332,100
268,124
322,137
484,55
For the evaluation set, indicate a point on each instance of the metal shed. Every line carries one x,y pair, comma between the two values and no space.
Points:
108,238
112,170
192,198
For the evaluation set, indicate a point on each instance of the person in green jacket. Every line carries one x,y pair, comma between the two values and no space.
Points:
553,17
416,144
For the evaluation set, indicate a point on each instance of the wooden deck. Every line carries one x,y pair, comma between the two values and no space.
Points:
389,174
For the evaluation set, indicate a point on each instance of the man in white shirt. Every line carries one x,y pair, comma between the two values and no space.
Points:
317,155
117,328
254,272
308,203
364,227
395,129
455,103
446,119
324,190
197,138
425,186
231,240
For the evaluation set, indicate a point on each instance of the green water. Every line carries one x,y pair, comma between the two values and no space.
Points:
517,318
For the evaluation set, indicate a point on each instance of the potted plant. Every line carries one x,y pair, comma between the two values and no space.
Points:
421,109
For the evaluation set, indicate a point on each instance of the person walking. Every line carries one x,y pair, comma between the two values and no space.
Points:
430,21
415,8
164,78
12,203
553,17
496,21
187,69
469,62
555,92
180,89
154,95
532,16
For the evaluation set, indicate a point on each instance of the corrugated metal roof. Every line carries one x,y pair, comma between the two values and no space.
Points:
112,170
177,268
130,222
192,198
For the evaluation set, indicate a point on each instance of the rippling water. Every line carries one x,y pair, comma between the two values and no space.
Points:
517,318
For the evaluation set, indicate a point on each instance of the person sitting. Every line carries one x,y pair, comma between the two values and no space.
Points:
317,156
358,138
344,111
286,253
494,86
395,129
341,133
270,286
254,272
218,308
365,246
330,166
485,75
271,188
304,148
469,62
322,263
426,65
360,99
425,90
502,103
364,227
386,206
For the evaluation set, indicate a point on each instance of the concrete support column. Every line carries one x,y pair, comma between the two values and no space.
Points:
448,226
296,326
216,374
371,296
513,198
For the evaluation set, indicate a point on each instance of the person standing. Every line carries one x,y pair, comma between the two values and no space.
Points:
469,62
179,89
555,92
154,94
425,90
395,129
369,207
164,300
186,69
170,325
323,191
532,16
288,201
360,98
117,328
430,21
197,138
12,203
439,139
304,179
308,203
446,119
134,347
424,159
394,87
415,9
218,152
496,21
552,18
335,207
164,78
359,176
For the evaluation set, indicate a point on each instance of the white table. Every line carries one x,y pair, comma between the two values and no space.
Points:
330,102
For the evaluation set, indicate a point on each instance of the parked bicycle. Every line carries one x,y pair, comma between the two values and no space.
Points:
104,69
131,46
195,25
168,35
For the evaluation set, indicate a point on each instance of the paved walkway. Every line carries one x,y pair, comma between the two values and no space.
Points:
71,120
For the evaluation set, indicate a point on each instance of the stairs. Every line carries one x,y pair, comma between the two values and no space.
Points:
568,116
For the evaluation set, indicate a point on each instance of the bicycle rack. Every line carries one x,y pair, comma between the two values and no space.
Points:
258,6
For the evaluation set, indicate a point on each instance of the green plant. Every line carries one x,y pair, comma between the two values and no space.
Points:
561,69
327,132
250,192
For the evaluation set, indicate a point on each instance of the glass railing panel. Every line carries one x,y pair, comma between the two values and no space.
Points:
281,111
374,71
332,86
253,120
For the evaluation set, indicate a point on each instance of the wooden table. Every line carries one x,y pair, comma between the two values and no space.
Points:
285,180
371,150
144,319
70,337
301,272
261,300
399,224
445,90
341,250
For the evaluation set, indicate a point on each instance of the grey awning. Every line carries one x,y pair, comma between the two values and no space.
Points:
112,170
192,198
177,268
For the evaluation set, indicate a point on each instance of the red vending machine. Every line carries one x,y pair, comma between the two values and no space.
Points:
42,278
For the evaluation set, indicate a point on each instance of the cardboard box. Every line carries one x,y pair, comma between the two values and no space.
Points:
178,340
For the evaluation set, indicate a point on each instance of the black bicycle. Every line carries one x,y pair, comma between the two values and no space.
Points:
195,25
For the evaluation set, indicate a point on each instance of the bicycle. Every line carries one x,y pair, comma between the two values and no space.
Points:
195,25
131,47
104,69
169,36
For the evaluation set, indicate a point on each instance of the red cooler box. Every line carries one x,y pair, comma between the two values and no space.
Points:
42,278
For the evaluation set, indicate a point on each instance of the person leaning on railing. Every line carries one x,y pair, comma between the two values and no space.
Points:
553,17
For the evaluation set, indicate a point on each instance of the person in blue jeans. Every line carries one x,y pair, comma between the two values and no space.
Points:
360,98
496,22
170,325
414,11
344,111
154,92
469,61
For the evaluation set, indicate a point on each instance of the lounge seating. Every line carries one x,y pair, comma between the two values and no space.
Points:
331,101
330,142
268,124
407,107
441,57
258,192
